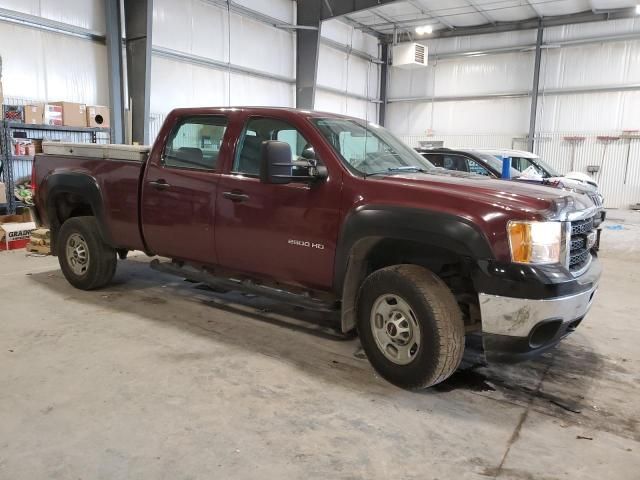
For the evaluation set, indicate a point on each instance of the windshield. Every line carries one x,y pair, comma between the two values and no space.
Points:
495,162
522,163
545,166
368,148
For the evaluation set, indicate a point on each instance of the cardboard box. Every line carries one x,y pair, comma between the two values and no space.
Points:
13,113
97,116
15,231
37,144
52,114
34,114
73,114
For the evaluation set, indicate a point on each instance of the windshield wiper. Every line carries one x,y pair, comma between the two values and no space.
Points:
397,170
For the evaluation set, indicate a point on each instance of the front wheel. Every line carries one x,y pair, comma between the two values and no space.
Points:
86,261
410,326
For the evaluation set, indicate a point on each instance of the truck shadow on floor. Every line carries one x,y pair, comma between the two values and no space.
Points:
558,383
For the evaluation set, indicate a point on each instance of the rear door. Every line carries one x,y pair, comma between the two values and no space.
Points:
284,232
179,190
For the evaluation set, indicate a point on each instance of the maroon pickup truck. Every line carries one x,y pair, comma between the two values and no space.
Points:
333,213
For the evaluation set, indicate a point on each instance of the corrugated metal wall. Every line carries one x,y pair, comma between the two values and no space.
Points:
45,66
209,34
619,160
590,87
346,81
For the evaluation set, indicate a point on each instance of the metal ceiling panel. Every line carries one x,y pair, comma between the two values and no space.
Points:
507,11
449,14
457,13
561,7
607,4
398,9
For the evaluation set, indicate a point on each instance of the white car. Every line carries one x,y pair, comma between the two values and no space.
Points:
532,166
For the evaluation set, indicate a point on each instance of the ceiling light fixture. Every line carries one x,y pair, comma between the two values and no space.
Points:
425,29
638,9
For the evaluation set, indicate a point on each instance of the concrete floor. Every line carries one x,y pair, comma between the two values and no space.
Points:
154,378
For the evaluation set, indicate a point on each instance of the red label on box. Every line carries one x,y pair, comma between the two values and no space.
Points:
15,245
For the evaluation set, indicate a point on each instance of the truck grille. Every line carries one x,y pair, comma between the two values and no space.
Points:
579,255
596,198
581,227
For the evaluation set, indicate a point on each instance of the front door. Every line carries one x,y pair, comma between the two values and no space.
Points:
179,191
284,232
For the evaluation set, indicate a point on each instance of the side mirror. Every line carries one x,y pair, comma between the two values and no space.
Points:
275,162
276,166
308,153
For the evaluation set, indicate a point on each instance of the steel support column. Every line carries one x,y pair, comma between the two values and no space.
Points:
310,15
307,48
114,59
138,16
384,73
535,89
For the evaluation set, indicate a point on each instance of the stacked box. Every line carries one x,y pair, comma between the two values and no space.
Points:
97,116
40,241
73,114
13,113
52,114
15,231
34,114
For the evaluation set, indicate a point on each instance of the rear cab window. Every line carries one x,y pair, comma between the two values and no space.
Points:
195,143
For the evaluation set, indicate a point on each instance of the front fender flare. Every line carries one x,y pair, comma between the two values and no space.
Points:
366,226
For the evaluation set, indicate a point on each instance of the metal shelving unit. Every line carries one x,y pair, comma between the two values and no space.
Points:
13,166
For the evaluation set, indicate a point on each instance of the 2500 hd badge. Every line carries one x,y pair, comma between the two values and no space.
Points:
306,243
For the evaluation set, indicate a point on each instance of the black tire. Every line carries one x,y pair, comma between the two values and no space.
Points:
438,317
102,261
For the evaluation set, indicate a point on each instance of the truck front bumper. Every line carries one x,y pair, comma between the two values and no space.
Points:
515,329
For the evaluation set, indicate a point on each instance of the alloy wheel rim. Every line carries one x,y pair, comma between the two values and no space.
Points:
395,329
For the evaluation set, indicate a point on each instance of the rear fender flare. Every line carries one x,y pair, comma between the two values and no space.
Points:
82,185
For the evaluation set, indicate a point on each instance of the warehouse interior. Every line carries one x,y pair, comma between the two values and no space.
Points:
152,376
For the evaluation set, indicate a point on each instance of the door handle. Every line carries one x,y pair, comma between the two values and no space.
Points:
159,184
235,196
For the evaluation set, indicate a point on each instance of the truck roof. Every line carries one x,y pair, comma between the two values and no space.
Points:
259,110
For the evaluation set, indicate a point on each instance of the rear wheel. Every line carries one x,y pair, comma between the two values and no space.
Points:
86,261
410,326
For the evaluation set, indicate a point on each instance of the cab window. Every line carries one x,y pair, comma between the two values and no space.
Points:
455,162
475,167
195,143
436,159
258,130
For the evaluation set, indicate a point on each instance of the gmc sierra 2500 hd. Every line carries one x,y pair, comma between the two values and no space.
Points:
330,212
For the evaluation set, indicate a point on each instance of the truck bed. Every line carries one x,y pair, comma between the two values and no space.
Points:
117,180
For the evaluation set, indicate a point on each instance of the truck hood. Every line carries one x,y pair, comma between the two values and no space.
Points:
530,200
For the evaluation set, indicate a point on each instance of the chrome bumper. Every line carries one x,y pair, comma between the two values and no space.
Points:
517,317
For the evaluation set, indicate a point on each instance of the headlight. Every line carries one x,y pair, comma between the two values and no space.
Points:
535,242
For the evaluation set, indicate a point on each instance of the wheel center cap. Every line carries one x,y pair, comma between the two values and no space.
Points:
392,330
